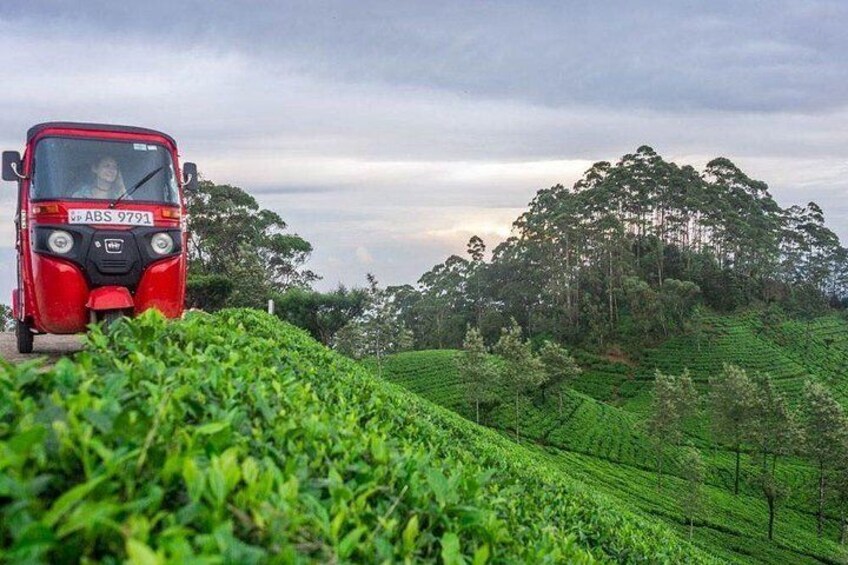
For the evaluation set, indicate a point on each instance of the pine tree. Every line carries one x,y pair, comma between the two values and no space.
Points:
477,370
673,402
732,404
692,500
561,368
521,371
825,429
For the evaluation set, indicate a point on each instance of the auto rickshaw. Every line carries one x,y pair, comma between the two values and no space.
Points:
101,226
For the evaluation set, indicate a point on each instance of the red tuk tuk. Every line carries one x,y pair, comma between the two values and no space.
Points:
101,226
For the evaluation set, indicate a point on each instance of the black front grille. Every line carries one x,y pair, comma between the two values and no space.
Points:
114,265
115,257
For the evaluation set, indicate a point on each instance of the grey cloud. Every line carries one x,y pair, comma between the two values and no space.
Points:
300,190
725,55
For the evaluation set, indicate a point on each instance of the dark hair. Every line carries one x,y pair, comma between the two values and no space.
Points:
103,158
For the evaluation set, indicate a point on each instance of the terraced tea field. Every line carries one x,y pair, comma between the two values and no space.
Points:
820,346
433,375
599,435
727,342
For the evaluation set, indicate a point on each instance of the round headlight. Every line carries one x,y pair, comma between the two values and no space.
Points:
162,243
60,242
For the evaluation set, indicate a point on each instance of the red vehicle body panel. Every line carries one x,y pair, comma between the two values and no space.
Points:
168,273
59,294
110,298
55,296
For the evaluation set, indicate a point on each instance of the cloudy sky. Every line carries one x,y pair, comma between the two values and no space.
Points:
387,133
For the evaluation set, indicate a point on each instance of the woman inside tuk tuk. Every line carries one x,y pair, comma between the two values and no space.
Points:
106,183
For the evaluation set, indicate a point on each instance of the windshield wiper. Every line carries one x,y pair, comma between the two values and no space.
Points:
146,178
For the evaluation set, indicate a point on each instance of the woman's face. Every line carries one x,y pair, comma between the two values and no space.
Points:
106,169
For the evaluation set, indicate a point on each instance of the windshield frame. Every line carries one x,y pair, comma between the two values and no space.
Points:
171,161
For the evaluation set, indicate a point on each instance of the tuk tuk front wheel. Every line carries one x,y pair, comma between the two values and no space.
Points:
24,337
109,317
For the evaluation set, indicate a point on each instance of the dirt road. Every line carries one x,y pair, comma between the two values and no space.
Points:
50,346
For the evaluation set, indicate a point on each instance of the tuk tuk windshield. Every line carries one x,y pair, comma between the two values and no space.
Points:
94,169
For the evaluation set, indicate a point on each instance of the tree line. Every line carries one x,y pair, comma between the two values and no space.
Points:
631,251
240,254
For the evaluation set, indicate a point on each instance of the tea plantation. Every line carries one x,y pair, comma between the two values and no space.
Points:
235,438
599,435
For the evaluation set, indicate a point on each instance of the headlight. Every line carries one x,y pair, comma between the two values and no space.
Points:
60,242
162,243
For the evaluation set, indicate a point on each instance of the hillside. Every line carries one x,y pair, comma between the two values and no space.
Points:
599,436
235,437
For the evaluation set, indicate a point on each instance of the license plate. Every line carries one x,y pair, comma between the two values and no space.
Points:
110,217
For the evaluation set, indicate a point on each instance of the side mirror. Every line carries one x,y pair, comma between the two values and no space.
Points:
12,166
189,176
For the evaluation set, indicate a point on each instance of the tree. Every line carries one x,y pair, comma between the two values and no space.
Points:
841,488
774,432
645,307
477,371
377,331
521,370
674,401
560,367
748,224
812,255
477,250
732,404
230,236
696,326
692,500
351,340
678,300
825,430
322,314
444,309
